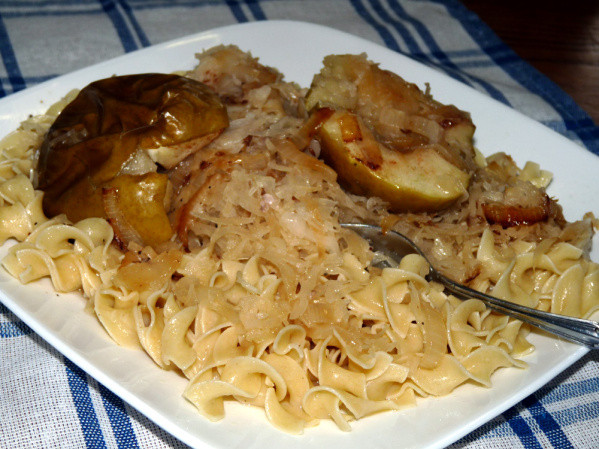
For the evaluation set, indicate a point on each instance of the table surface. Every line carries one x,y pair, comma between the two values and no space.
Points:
561,42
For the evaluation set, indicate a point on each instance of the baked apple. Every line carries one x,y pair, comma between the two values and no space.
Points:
112,135
388,138
418,180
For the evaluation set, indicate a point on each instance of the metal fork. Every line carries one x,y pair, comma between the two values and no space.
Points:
396,245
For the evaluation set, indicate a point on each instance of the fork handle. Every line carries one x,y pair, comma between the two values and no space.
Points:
581,331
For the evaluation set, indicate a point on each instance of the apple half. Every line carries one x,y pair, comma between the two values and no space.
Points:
416,180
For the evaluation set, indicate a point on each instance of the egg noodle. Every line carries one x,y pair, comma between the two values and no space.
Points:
270,302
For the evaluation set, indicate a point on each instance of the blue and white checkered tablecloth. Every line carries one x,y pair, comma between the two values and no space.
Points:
46,401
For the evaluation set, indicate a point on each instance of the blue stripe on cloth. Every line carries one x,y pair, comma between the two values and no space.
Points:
473,57
141,35
438,53
500,53
43,3
256,9
120,25
586,129
142,4
32,5
82,400
49,8
10,61
548,425
14,327
474,63
27,14
577,414
569,390
444,62
411,44
522,429
119,419
386,36
575,119
236,10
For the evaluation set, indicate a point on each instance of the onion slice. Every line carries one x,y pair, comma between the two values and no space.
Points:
124,233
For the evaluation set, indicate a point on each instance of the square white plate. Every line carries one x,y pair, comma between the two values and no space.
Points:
297,49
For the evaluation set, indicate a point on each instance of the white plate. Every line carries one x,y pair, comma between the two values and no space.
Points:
297,49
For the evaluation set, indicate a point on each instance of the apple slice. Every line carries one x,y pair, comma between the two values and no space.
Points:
416,180
401,116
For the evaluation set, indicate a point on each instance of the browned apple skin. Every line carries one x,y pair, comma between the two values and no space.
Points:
103,127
